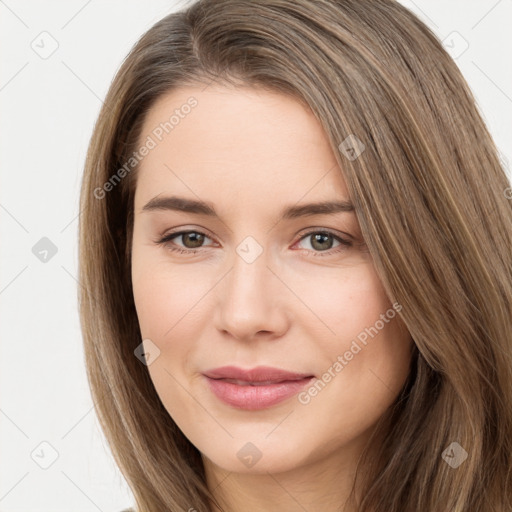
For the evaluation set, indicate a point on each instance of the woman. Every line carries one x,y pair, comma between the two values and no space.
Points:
307,186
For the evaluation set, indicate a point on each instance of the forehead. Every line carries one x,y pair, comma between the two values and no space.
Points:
247,139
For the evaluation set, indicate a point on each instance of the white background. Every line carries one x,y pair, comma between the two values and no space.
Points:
48,109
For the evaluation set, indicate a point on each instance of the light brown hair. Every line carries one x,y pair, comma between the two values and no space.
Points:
430,197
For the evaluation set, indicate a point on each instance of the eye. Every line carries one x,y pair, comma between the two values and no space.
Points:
321,242
191,240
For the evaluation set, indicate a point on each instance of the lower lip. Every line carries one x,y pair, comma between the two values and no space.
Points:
252,398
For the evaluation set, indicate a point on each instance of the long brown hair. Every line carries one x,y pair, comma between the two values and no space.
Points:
430,196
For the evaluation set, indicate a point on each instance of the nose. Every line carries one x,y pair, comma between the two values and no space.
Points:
251,300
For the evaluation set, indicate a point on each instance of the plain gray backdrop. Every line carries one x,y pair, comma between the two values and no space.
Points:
58,59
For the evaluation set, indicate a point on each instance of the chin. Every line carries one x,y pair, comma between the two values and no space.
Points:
255,457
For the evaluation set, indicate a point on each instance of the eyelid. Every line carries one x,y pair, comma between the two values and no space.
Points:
168,237
186,229
319,229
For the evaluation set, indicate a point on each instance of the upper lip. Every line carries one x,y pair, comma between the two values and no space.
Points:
258,374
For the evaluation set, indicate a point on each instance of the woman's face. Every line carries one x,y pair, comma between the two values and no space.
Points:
249,285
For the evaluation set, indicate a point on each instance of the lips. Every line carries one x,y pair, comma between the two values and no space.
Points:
255,376
258,388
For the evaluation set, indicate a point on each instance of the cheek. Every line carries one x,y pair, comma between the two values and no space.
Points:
362,364
166,296
159,300
345,302
167,301
363,343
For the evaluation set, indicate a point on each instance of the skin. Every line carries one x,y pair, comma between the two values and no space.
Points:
297,306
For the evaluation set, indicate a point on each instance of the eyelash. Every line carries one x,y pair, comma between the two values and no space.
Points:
344,244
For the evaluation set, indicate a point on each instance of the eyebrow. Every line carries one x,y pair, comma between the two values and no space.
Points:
182,204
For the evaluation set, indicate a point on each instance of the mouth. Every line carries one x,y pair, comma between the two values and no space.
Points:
255,376
256,392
